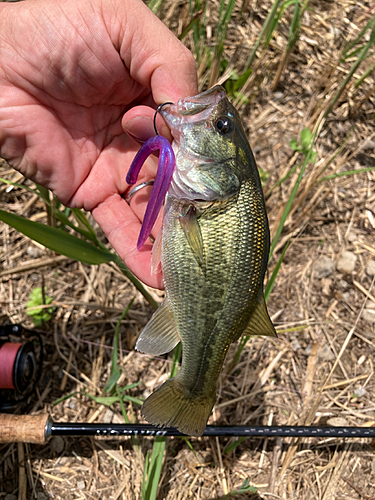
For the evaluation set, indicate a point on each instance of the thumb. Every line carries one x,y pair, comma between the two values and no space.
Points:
154,56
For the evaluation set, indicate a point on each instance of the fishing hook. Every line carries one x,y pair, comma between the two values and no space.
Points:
159,108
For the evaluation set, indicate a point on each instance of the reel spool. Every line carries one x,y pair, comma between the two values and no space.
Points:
20,368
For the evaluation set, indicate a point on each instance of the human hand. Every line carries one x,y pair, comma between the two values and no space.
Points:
74,76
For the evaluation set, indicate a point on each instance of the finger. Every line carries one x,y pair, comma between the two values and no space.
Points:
108,174
138,122
121,226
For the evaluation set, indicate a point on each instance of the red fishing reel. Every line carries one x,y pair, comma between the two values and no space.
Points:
21,355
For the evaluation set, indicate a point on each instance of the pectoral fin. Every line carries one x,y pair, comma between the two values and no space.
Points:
192,230
156,253
160,334
260,323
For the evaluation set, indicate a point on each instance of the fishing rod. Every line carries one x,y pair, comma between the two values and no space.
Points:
20,370
38,429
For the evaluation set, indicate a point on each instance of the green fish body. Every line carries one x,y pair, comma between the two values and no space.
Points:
215,245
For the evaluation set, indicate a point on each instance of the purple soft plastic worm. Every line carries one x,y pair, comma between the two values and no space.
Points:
163,179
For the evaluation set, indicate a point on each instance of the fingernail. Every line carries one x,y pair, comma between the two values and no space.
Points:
141,128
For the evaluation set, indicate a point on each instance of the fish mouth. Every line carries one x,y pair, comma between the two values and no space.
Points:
192,106
192,109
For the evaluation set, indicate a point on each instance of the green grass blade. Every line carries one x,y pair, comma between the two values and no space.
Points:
279,182
115,371
43,193
153,464
64,398
197,25
74,247
347,172
353,69
190,26
82,219
241,346
133,399
21,186
176,359
232,446
154,5
271,282
138,285
268,27
367,73
348,50
145,474
154,468
57,240
103,400
63,218
289,203
244,488
130,386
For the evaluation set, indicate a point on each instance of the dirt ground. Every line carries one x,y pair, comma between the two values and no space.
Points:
319,371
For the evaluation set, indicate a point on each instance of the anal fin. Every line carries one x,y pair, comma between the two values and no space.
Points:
260,322
160,334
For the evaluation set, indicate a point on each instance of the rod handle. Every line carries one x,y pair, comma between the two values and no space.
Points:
23,428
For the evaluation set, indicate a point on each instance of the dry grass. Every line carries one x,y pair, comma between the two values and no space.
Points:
325,350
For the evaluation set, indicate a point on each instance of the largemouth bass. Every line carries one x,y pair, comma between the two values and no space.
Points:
214,251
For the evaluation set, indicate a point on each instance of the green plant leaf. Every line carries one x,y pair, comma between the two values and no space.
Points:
306,138
112,381
244,488
155,462
103,400
16,184
57,240
82,219
115,370
271,282
294,145
232,446
132,399
64,398
40,315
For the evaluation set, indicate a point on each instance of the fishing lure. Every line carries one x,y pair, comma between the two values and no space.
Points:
164,174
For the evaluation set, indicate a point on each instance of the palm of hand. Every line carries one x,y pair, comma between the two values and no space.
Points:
67,117
67,133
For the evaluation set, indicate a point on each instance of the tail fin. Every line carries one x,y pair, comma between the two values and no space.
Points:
173,405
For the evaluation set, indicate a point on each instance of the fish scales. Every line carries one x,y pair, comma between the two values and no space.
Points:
217,305
214,257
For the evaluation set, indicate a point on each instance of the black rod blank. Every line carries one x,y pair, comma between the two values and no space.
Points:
117,430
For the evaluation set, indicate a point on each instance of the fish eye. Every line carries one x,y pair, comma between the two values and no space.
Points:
224,125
